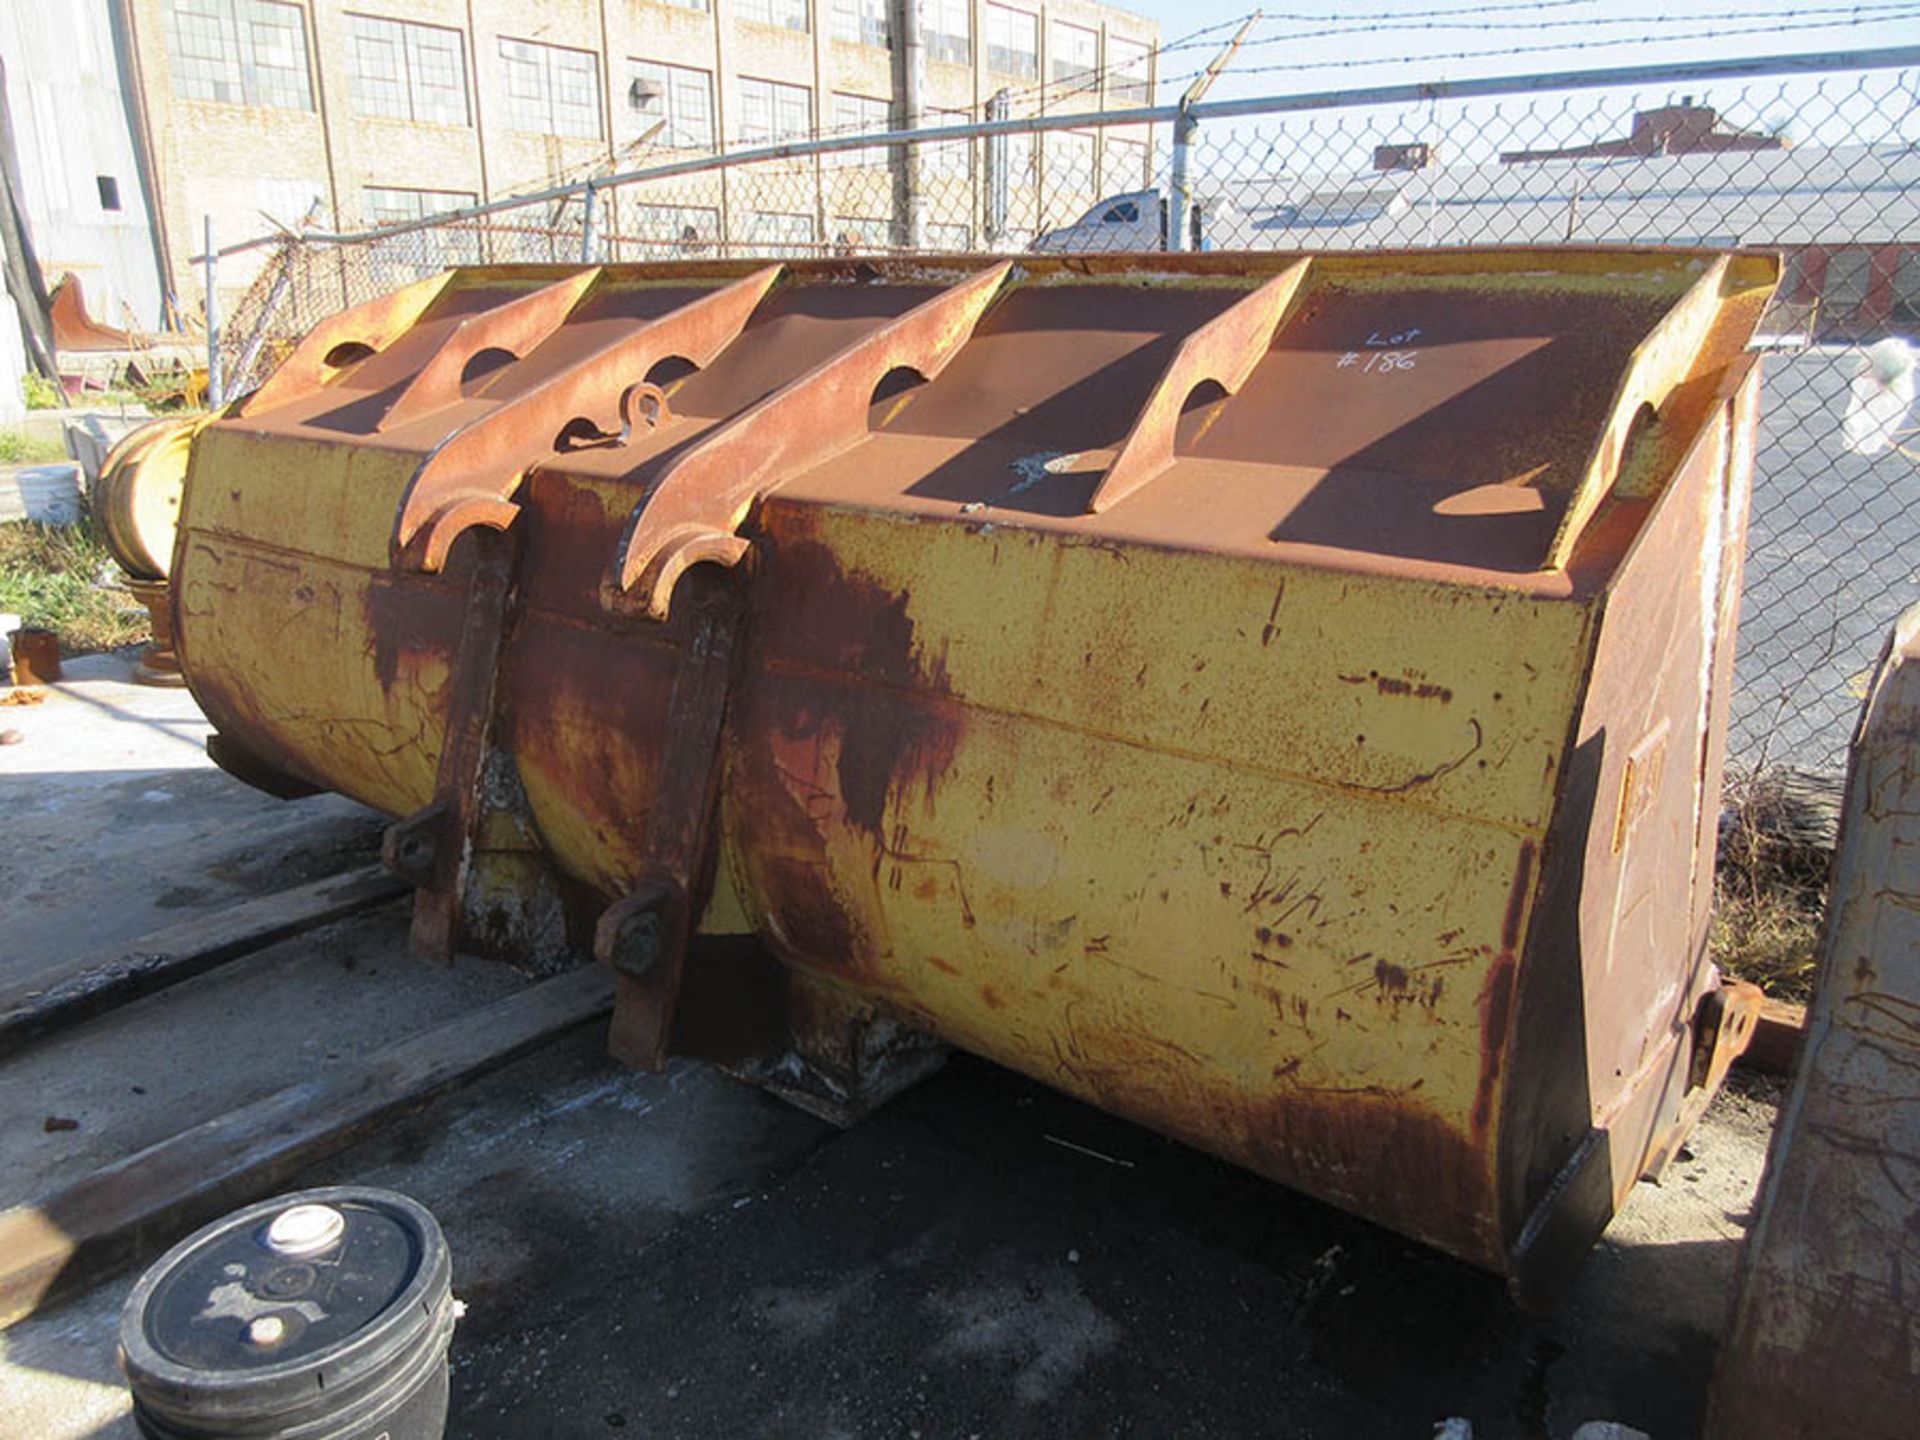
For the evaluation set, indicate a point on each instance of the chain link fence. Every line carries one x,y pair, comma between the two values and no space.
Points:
1822,166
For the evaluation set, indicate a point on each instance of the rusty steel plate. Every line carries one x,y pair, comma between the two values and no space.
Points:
1277,698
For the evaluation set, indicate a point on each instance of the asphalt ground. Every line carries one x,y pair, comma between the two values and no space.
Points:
1833,558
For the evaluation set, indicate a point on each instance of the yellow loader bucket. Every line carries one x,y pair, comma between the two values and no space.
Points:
1278,699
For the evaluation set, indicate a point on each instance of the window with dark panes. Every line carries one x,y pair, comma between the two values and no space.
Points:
1127,77
771,112
1075,54
1013,42
1906,286
679,95
551,90
862,22
946,28
1845,288
784,14
240,52
404,71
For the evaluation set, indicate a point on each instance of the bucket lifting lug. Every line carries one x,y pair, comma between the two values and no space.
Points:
1722,1026
433,849
692,511
1723,1023
641,935
643,938
414,847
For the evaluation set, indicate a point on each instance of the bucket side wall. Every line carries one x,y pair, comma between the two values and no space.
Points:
1616,964
1220,934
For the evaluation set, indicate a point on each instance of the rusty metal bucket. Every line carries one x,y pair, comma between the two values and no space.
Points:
1277,699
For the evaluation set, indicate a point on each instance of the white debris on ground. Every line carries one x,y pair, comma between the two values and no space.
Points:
1879,397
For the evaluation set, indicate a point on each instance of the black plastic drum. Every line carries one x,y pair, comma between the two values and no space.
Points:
324,1315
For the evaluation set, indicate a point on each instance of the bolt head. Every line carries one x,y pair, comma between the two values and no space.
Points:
642,942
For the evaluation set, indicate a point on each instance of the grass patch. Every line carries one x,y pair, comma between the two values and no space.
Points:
1776,843
19,448
166,390
61,577
40,393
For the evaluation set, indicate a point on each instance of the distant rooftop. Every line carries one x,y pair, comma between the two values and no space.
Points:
1848,195
1683,129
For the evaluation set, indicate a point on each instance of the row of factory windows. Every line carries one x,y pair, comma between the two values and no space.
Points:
254,52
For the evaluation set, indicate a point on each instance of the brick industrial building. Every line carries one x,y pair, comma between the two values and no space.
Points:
345,113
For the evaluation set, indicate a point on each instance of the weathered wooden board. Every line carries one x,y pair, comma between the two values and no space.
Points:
130,1210
75,990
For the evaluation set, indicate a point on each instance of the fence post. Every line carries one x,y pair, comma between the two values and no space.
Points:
909,208
586,224
999,107
216,391
250,352
1181,181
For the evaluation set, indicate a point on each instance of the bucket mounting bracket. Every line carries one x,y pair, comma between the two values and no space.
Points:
643,937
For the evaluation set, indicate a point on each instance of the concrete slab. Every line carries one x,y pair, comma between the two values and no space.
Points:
52,424
279,1017
113,822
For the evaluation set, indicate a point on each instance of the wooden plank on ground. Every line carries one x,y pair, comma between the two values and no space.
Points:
74,990
134,1208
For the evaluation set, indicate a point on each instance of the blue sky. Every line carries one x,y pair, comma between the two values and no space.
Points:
1287,57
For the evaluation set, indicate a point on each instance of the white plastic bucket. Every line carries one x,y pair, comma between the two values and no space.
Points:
50,494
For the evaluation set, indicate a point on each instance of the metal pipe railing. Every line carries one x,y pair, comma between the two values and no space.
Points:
1822,63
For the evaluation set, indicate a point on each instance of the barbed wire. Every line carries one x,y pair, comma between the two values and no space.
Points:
1192,40
1557,46
1475,18
1344,29
1472,17
1320,16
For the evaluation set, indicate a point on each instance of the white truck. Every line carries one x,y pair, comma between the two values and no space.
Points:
1134,220
1266,213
